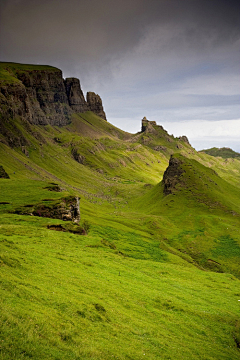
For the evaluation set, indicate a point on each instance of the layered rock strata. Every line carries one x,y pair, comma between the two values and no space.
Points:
75,95
40,96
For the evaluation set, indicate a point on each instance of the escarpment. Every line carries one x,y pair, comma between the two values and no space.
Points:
40,96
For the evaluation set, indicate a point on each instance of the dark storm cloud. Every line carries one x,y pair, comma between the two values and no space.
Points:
168,59
94,30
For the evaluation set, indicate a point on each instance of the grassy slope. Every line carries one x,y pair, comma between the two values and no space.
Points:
200,220
224,152
134,284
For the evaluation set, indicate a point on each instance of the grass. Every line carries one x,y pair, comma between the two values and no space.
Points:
155,277
99,304
225,153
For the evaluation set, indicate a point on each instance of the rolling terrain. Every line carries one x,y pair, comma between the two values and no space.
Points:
152,269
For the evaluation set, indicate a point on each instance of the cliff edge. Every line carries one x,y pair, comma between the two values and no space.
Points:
40,96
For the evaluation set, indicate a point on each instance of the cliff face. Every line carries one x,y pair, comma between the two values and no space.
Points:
75,95
37,95
40,95
95,104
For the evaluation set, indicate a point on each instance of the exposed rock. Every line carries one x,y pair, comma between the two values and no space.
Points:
171,176
184,139
179,146
54,187
68,209
3,174
78,157
75,95
95,104
147,126
46,101
160,148
39,96
25,151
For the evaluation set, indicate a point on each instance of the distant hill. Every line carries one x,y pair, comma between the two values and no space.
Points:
223,152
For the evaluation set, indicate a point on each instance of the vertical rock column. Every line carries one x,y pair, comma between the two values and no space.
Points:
75,95
95,104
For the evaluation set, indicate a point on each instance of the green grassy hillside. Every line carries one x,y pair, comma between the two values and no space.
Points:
156,276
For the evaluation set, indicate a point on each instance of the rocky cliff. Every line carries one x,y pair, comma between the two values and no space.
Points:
75,95
95,104
40,96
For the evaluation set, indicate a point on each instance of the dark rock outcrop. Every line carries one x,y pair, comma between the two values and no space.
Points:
38,95
78,157
95,104
171,176
75,95
147,125
3,174
46,100
67,209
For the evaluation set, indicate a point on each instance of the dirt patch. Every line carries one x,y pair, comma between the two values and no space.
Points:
56,227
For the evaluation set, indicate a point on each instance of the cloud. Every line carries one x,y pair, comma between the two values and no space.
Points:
205,134
167,60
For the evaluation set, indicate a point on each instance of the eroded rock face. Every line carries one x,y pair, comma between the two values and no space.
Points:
147,125
40,97
75,95
171,176
95,104
46,101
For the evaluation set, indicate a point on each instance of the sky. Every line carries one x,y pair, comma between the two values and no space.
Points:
174,61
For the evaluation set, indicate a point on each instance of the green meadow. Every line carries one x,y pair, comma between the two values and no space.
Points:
155,277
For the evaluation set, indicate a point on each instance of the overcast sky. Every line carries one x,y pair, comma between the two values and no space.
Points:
174,61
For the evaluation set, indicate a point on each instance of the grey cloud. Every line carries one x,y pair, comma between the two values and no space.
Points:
167,58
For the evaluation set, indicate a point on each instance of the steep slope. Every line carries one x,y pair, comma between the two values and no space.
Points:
196,214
